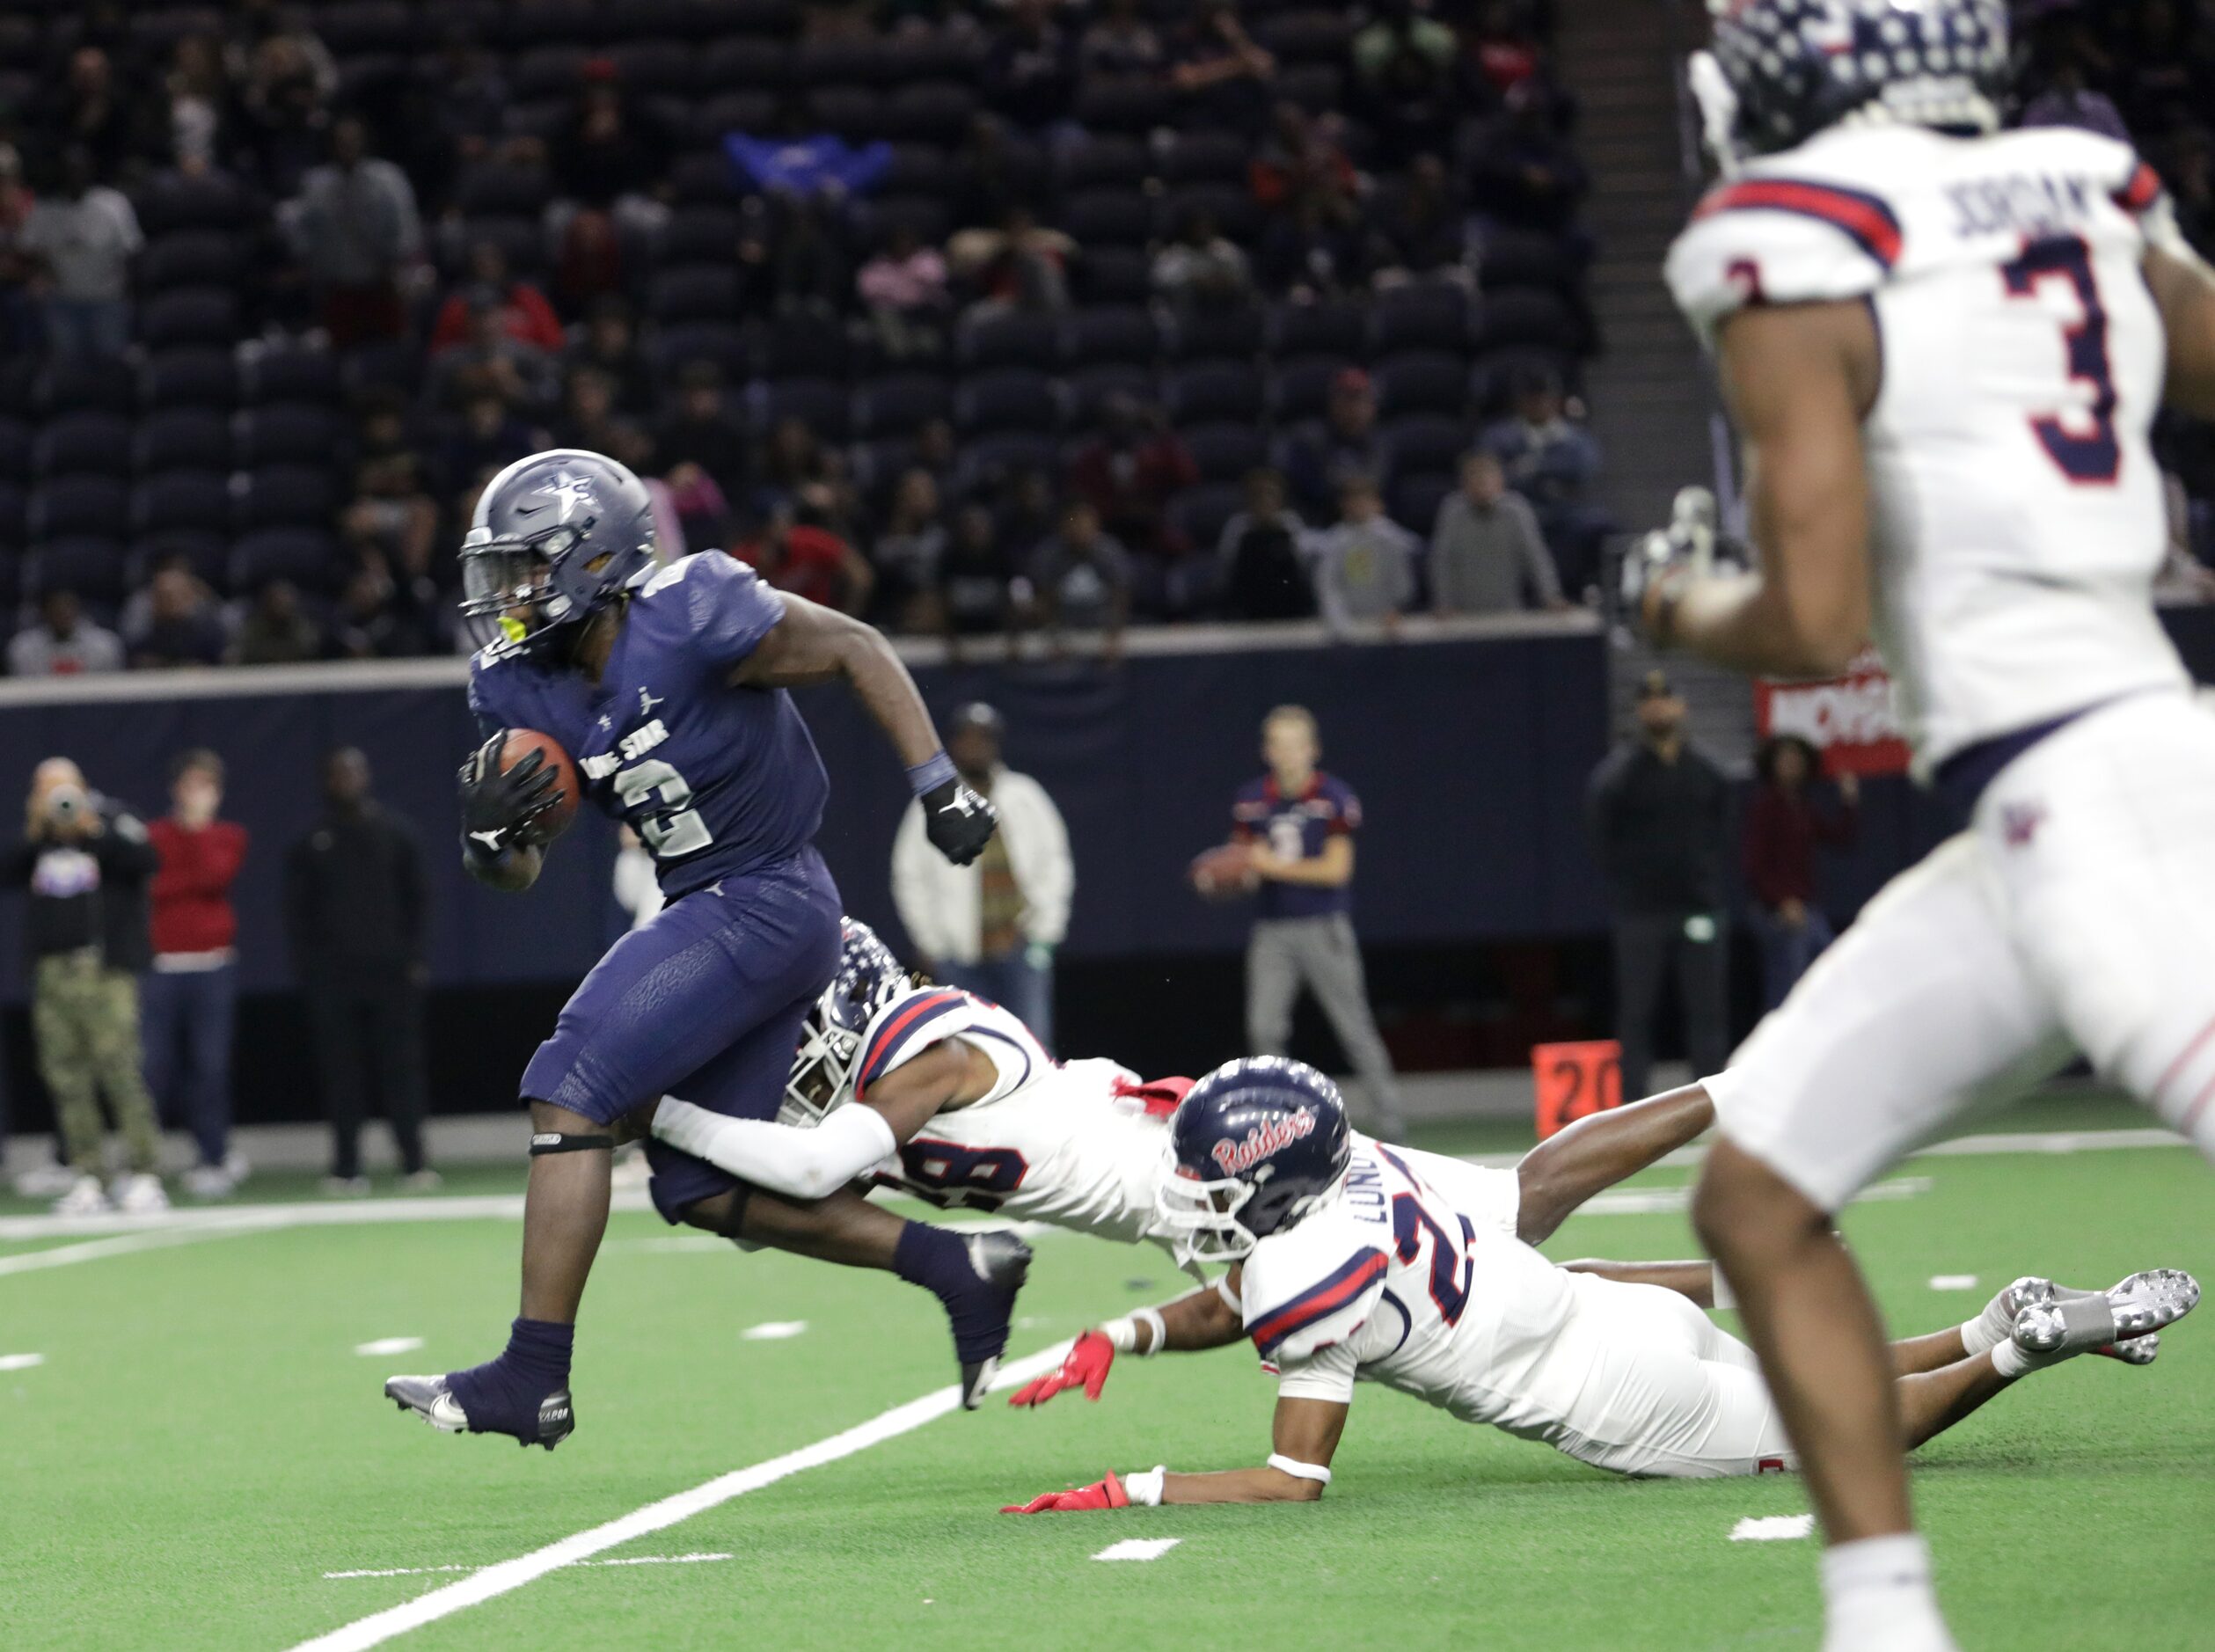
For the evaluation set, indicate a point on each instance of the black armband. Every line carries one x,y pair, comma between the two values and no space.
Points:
555,1141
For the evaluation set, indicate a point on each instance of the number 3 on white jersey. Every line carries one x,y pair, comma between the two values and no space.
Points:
673,829
2086,458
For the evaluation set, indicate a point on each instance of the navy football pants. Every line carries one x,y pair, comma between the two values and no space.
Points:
704,1003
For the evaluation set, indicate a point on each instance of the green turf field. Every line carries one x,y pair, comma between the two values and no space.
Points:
202,1445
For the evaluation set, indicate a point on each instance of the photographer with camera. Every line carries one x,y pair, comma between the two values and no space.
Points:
85,861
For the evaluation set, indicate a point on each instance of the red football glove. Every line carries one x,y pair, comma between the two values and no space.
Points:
1086,1364
1102,1494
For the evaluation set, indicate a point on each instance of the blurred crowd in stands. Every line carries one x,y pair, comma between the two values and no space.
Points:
968,318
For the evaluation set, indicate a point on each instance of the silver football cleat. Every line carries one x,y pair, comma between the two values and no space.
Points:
2138,1306
430,1399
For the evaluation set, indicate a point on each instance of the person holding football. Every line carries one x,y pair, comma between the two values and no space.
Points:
666,685
1296,825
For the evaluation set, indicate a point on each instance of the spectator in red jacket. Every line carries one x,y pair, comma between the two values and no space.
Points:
194,986
809,561
1782,830
1130,471
525,314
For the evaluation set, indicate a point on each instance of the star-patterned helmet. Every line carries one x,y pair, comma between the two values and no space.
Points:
556,537
869,978
1780,71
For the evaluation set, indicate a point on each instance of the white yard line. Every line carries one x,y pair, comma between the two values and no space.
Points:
1772,1528
238,1218
388,1345
20,1362
633,1560
116,1235
122,1244
772,1331
1959,1147
1953,1282
1662,1201
498,1580
1138,1549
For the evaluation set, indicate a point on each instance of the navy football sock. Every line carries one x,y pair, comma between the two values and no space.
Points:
501,1396
938,1261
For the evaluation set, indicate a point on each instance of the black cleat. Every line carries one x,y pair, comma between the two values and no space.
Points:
1003,1262
431,1398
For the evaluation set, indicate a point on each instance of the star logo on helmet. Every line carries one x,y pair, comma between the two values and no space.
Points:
571,492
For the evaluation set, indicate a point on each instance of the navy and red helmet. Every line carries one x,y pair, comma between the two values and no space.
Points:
1780,71
1254,1148
868,978
555,539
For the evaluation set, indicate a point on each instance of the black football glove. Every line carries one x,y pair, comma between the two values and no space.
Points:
958,822
500,811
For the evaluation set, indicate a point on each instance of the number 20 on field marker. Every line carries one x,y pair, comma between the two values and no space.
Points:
1574,1080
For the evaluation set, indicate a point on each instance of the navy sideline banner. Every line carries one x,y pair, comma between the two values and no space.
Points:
1469,754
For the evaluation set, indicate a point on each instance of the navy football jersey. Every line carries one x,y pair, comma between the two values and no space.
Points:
716,780
1296,828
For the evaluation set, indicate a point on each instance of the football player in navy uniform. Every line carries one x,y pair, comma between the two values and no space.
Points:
666,685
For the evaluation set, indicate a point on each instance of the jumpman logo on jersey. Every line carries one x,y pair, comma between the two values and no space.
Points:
571,492
648,702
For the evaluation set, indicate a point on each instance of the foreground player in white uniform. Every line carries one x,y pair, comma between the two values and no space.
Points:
1943,346
1353,1265
940,1095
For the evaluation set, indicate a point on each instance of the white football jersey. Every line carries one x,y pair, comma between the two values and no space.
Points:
2017,508
1395,1283
1078,1145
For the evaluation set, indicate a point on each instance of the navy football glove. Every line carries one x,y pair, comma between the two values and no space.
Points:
502,810
958,822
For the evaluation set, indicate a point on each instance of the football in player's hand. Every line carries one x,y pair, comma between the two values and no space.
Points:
519,743
1224,873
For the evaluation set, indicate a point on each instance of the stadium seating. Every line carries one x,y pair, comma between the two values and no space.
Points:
231,417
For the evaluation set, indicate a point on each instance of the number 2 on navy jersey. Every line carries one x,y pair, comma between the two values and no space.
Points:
2086,460
674,828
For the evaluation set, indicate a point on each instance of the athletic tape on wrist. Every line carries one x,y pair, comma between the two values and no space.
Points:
1143,1487
555,1141
1151,1318
1284,1464
931,774
1720,1287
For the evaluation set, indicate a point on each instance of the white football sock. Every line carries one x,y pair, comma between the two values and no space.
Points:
1877,1598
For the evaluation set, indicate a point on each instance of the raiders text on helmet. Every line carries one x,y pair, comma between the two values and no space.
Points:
1253,1147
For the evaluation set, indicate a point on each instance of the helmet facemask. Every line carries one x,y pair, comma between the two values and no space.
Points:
1201,1217
816,1082
1206,1218
869,980
507,584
